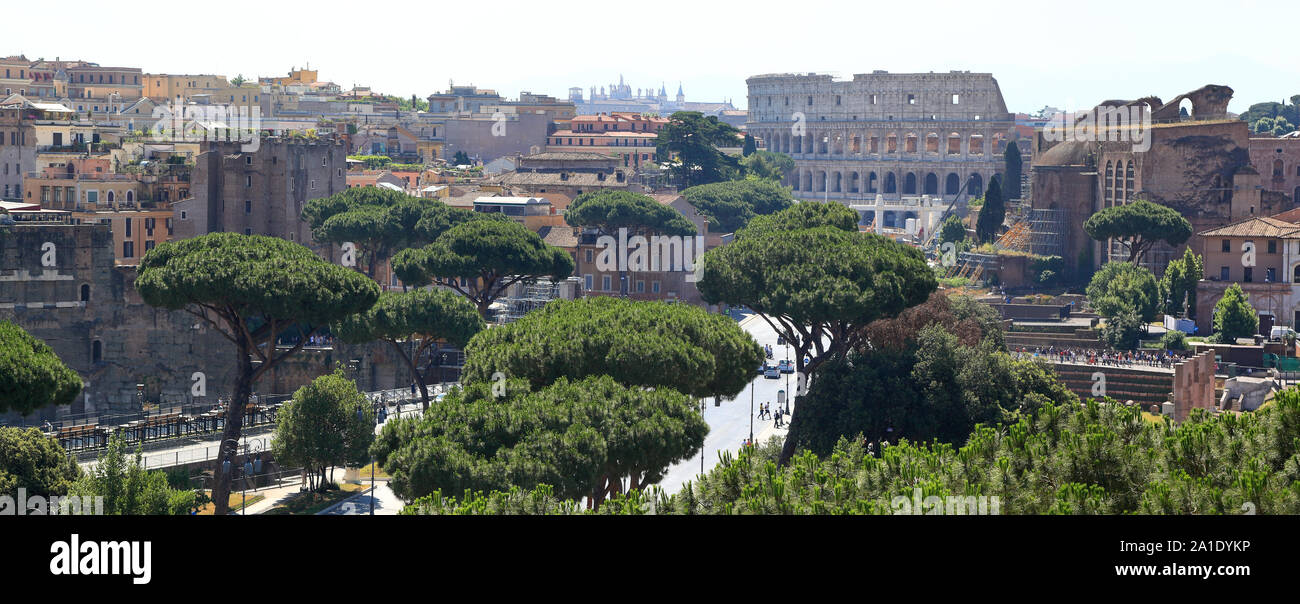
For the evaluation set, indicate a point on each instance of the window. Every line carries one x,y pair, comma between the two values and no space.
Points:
184,216
248,231
248,206
1249,276
640,287
1272,247
1223,274
148,245
85,292
589,255
1227,245
248,181
911,99
604,283
587,282
128,227
248,160
1270,275
654,287
128,249
956,99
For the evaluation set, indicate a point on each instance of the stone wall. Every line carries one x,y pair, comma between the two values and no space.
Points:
88,311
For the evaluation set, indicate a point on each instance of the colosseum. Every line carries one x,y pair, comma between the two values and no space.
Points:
886,134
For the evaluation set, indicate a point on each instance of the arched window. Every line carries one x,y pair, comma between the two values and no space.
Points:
1108,185
1128,182
110,197
931,184
130,195
953,184
1295,274
891,184
909,184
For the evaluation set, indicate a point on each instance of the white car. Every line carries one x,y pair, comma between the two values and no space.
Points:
1279,332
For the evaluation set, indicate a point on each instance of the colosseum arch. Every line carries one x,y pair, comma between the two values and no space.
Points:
952,184
975,186
910,142
975,146
891,143
853,182
891,183
838,182
932,142
954,144
909,184
871,183
931,184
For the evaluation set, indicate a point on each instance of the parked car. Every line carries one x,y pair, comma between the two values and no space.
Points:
1279,332
771,373
786,366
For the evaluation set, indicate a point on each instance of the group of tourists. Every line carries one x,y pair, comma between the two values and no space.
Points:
1149,358
765,412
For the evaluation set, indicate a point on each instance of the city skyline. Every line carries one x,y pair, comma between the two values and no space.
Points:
1086,58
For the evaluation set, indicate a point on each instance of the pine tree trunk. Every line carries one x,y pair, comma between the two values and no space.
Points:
233,429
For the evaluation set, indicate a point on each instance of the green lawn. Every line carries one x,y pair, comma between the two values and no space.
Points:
309,503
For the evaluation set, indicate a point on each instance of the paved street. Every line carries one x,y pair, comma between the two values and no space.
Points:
729,423
386,503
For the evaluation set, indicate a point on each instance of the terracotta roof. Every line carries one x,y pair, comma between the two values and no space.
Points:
1292,216
566,156
1257,227
558,236
576,179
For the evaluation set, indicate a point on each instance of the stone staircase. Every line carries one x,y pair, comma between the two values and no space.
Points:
1143,386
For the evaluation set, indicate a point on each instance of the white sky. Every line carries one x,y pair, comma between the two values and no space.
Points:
1042,53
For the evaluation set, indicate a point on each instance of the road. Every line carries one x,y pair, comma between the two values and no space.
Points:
729,422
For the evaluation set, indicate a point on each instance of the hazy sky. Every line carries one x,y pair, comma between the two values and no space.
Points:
1042,53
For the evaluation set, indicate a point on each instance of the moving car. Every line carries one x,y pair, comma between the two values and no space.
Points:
771,373
786,366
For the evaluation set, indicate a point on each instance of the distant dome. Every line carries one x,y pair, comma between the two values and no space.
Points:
1070,153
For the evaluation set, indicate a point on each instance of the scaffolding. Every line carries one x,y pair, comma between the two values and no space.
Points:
1046,232
530,296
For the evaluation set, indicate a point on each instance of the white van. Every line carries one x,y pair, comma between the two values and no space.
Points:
1278,332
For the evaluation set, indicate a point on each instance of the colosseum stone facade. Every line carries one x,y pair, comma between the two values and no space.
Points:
892,134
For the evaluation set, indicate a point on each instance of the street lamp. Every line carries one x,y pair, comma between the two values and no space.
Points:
362,416
139,399
751,413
